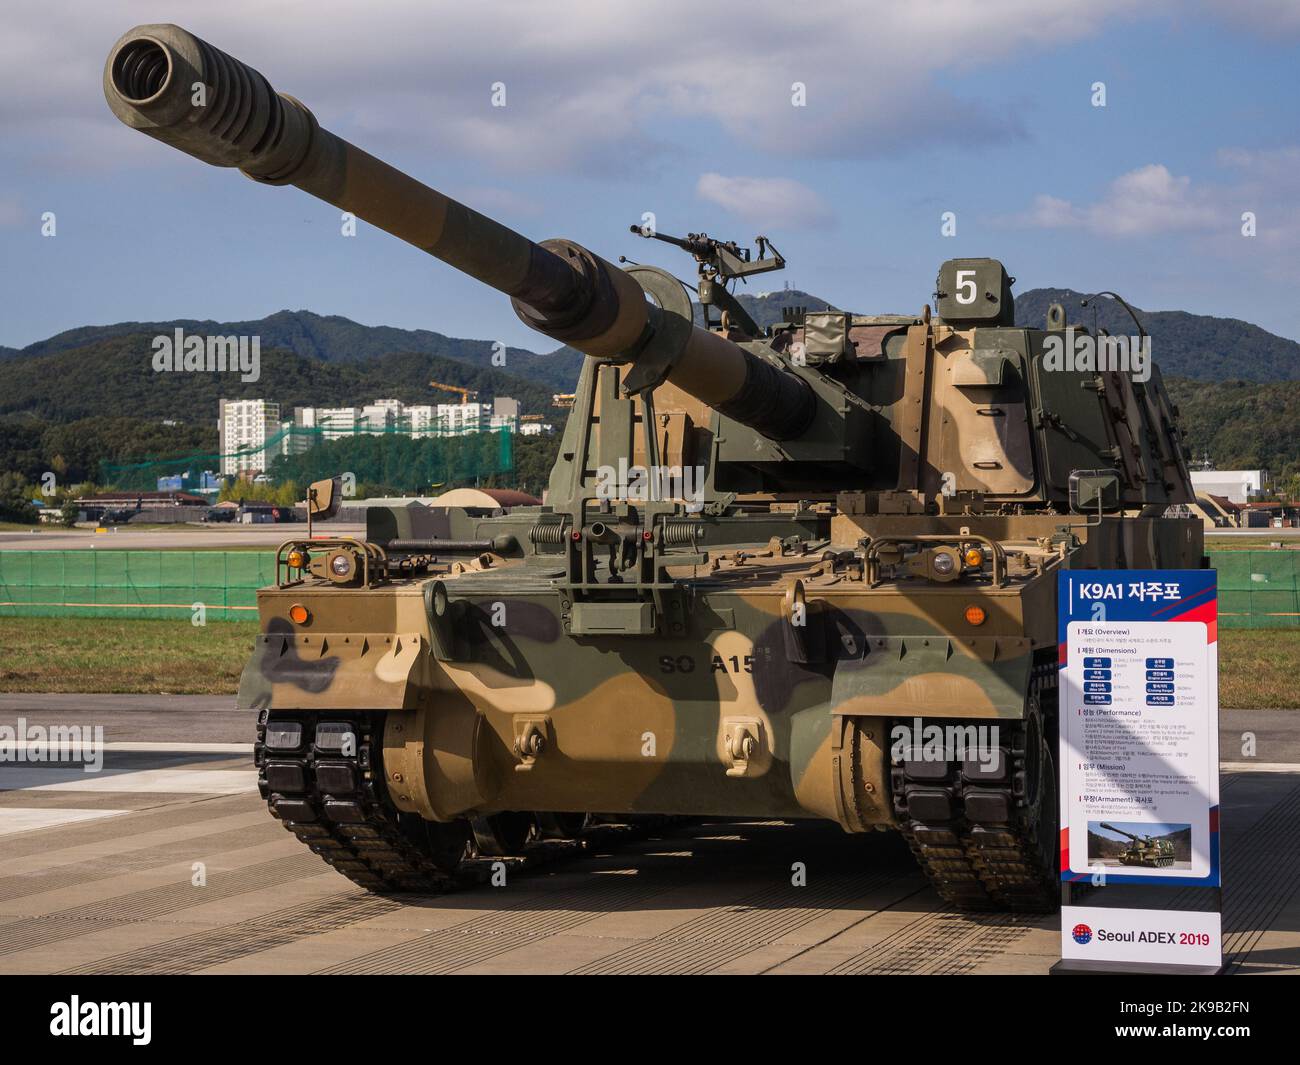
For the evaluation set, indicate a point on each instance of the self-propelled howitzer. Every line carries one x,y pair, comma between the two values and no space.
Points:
771,562
1158,853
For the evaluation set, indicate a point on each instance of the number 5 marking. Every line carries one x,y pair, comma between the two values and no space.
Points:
966,283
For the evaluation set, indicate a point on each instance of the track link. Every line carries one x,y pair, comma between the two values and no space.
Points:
986,837
321,775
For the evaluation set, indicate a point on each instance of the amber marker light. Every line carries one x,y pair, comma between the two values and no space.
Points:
975,615
974,557
299,616
298,559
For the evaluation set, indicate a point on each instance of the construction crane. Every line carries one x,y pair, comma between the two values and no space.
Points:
467,395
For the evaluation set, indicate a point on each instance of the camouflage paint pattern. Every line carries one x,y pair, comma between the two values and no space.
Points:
635,724
739,653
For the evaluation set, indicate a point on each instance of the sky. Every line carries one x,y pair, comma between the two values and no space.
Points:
691,112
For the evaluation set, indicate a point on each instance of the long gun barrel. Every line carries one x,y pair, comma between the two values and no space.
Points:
167,83
1130,835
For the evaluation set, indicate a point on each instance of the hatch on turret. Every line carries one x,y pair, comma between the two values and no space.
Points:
974,292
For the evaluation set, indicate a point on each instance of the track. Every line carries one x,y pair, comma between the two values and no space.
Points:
322,777
986,838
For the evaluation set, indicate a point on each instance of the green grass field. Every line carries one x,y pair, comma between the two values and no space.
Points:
1250,543
1258,668
22,526
108,655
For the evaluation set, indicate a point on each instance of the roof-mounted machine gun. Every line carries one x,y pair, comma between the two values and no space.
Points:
722,261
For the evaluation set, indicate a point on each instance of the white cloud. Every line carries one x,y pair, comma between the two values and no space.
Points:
1278,168
1049,212
1267,17
1141,202
590,84
1152,200
1267,183
765,201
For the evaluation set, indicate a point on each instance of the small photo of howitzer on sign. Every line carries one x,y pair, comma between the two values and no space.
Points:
1139,845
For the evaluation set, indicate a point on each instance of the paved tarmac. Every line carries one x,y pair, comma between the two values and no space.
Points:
167,862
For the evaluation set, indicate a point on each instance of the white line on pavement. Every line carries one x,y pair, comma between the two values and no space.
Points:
140,747
144,781
14,819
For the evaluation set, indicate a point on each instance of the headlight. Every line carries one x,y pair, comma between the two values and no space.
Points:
943,562
341,564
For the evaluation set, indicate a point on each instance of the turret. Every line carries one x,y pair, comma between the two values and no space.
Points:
959,409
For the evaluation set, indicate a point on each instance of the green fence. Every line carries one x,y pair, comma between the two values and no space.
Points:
1257,589
395,456
133,584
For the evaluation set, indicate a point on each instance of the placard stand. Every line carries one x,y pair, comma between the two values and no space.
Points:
1085,967
1139,765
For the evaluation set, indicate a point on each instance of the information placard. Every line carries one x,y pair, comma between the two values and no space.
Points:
1139,756
1139,726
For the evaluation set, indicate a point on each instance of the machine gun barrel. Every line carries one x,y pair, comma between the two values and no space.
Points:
691,244
169,84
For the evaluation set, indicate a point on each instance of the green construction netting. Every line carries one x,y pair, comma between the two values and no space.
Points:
396,456
137,584
1258,589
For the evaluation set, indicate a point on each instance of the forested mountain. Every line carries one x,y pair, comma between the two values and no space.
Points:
73,450
328,338
115,375
77,410
91,394
1198,346
1241,425
768,308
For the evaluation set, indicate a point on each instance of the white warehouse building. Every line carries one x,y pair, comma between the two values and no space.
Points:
1239,486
